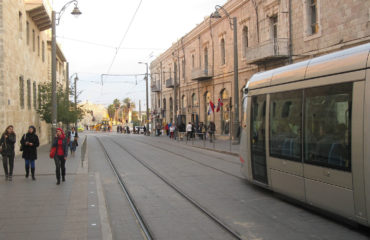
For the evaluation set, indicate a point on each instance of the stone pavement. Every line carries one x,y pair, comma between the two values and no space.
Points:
43,210
221,144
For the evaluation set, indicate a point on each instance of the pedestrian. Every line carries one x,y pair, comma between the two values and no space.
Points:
167,129
172,131
72,140
7,142
29,144
144,128
61,152
211,131
189,128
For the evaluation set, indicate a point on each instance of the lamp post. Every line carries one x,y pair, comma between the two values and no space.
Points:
233,26
75,94
55,18
147,96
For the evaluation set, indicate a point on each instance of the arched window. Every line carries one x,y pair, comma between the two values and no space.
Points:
164,108
183,104
207,99
171,110
245,41
194,100
222,44
224,110
206,59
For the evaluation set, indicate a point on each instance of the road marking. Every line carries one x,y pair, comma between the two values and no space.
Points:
104,221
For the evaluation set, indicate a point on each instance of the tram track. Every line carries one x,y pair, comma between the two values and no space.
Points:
196,204
193,160
143,225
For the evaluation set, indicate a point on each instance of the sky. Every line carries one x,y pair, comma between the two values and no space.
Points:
90,42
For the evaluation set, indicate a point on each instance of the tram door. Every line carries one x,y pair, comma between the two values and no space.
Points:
258,135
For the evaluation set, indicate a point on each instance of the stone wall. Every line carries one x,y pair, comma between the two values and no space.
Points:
341,25
19,58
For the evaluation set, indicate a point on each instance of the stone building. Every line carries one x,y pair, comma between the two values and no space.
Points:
270,34
25,62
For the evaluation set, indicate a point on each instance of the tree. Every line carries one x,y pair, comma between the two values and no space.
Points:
111,111
65,113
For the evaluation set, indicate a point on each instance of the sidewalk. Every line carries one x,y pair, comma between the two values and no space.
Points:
40,209
218,145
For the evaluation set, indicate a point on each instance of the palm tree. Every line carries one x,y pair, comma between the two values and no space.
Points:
117,105
127,106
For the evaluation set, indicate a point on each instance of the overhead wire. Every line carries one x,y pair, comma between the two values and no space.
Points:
124,36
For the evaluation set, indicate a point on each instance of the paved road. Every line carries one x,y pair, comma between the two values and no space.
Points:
211,179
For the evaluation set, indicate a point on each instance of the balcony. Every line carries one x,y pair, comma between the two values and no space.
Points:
40,13
170,83
200,74
275,49
155,87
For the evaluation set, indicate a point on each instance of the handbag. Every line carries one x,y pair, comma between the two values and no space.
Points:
53,150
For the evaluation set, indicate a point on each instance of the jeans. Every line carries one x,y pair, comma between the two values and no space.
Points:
60,164
72,146
8,160
30,162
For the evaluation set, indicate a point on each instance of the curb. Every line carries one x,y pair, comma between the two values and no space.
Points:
219,151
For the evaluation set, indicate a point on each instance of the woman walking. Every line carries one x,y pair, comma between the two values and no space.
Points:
7,142
29,144
61,152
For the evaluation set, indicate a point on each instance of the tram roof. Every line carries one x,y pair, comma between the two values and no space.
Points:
348,60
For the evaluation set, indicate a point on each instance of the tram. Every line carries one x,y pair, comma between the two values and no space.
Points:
306,132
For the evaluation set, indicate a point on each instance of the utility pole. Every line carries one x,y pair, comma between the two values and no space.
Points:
141,120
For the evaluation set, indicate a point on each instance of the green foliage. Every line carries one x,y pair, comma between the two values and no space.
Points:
66,110
111,111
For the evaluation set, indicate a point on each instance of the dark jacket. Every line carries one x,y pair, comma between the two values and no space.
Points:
64,145
30,152
7,145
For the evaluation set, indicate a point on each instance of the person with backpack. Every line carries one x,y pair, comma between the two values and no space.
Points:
29,144
60,146
7,142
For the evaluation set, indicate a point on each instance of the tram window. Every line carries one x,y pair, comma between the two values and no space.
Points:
286,125
328,126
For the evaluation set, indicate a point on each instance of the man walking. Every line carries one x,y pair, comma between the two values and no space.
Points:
189,129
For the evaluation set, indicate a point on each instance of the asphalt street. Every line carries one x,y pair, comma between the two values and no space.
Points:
159,175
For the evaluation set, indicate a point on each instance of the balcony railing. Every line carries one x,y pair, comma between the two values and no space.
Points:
155,87
170,83
200,74
268,51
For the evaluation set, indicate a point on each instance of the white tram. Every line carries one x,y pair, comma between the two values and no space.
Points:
306,132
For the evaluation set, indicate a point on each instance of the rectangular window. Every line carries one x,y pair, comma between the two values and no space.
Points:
34,96
43,51
20,24
313,16
274,25
38,45
33,41
28,32
39,95
327,127
21,92
286,125
29,94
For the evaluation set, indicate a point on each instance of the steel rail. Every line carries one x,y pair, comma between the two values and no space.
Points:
190,159
143,225
183,194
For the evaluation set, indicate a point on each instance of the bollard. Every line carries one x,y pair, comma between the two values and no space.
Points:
83,151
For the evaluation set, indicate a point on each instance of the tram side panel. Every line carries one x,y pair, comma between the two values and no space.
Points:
367,140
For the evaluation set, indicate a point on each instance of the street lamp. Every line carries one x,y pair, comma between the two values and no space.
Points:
55,21
75,94
233,26
147,94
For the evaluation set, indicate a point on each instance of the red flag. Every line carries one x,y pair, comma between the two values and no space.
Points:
219,105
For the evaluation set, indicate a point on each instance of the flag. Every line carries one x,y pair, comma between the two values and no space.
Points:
219,105
211,107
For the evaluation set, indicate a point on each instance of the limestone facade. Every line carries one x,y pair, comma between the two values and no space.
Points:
25,61
270,34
